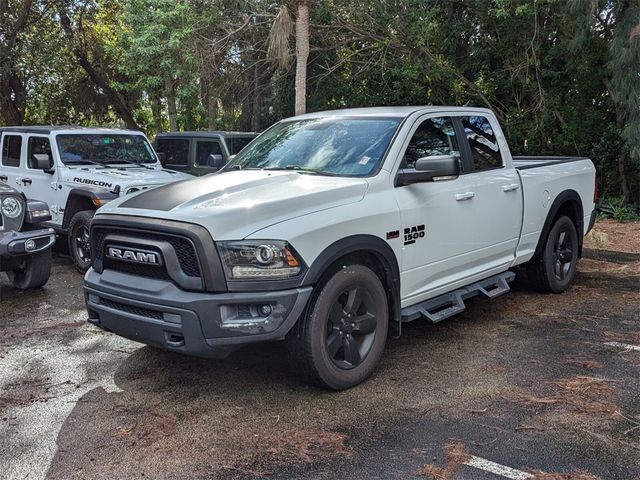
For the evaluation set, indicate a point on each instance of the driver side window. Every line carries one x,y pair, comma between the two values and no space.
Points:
434,136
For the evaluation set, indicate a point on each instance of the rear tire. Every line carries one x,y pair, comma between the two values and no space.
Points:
340,338
79,250
555,268
34,272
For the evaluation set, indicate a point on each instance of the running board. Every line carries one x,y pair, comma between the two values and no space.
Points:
437,309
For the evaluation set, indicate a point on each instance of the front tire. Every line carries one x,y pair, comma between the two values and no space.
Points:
340,339
79,249
555,268
34,272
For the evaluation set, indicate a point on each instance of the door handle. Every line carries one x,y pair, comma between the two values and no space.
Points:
26,181
511,187
464,196
4,178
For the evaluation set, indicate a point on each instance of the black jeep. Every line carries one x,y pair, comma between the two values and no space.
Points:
25,249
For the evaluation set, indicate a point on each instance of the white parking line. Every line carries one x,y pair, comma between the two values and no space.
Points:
626,346
496,468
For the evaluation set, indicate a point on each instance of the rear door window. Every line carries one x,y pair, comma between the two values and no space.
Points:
11,150
236,144
176,151
204,149
483,143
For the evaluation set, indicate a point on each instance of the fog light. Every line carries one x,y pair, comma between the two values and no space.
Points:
264,310
29,245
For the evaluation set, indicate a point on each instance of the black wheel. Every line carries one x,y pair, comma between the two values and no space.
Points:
555,268
34,272
79,247
339,340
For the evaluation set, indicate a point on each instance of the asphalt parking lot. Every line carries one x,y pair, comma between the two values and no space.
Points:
542,386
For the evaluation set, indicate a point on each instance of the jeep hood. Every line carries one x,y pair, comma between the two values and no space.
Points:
126,175
233,205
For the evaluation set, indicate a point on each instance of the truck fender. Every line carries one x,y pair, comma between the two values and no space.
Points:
569,202
84,199
358,244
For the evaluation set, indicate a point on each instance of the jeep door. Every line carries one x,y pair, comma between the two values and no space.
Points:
202,161
42,184
11,155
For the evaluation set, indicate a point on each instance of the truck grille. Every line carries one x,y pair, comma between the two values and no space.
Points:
183,247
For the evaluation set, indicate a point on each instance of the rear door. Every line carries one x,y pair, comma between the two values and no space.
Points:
11,149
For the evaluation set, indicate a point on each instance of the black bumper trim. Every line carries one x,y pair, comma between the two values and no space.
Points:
12,244
185,322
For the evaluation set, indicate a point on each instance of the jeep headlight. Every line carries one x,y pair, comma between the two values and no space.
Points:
259,260
12,207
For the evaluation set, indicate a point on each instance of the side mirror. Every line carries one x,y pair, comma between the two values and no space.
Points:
42,161
231,157
162,157
215,160
430,169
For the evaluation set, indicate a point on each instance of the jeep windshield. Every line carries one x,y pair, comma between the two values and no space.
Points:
336,146
104,149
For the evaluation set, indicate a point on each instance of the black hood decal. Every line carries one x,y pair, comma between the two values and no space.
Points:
170,196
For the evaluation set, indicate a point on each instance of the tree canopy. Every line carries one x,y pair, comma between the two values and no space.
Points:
563,76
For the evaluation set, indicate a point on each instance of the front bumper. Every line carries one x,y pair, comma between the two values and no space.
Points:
156,312
16,244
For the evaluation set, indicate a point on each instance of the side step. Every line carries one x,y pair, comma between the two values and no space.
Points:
437,309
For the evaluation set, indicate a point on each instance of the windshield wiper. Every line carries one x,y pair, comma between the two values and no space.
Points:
300,169
84,161
122,160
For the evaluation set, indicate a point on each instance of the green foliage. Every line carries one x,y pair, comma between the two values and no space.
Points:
616,209
562,75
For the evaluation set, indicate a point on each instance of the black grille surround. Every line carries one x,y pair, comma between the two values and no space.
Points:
198,264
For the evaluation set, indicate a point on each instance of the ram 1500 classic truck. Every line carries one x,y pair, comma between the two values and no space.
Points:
330,230
76,170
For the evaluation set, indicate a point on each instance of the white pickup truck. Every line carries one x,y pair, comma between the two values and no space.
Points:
76,170
330,230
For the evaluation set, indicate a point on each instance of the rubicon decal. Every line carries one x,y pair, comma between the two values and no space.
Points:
88,181
411,234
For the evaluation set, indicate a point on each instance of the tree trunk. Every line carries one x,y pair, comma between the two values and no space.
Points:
212,112
156,111
256,107
622,157
170,92
13,99
302,55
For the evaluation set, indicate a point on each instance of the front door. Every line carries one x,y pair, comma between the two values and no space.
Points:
39,184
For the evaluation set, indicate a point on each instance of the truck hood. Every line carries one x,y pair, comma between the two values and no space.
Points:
234,204
124,176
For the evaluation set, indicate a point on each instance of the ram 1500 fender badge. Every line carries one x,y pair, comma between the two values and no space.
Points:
411,234
134,256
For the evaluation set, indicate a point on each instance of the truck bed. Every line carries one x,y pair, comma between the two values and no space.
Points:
523,163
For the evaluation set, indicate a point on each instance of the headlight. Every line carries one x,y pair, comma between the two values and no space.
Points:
259,260
11,207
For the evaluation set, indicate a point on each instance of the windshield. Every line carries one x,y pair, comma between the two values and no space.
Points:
329,146
104,149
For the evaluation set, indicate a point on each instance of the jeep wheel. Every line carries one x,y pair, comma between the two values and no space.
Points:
339,341
555,268
34,272
79,248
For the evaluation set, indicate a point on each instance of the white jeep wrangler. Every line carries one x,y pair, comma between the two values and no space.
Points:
76,170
